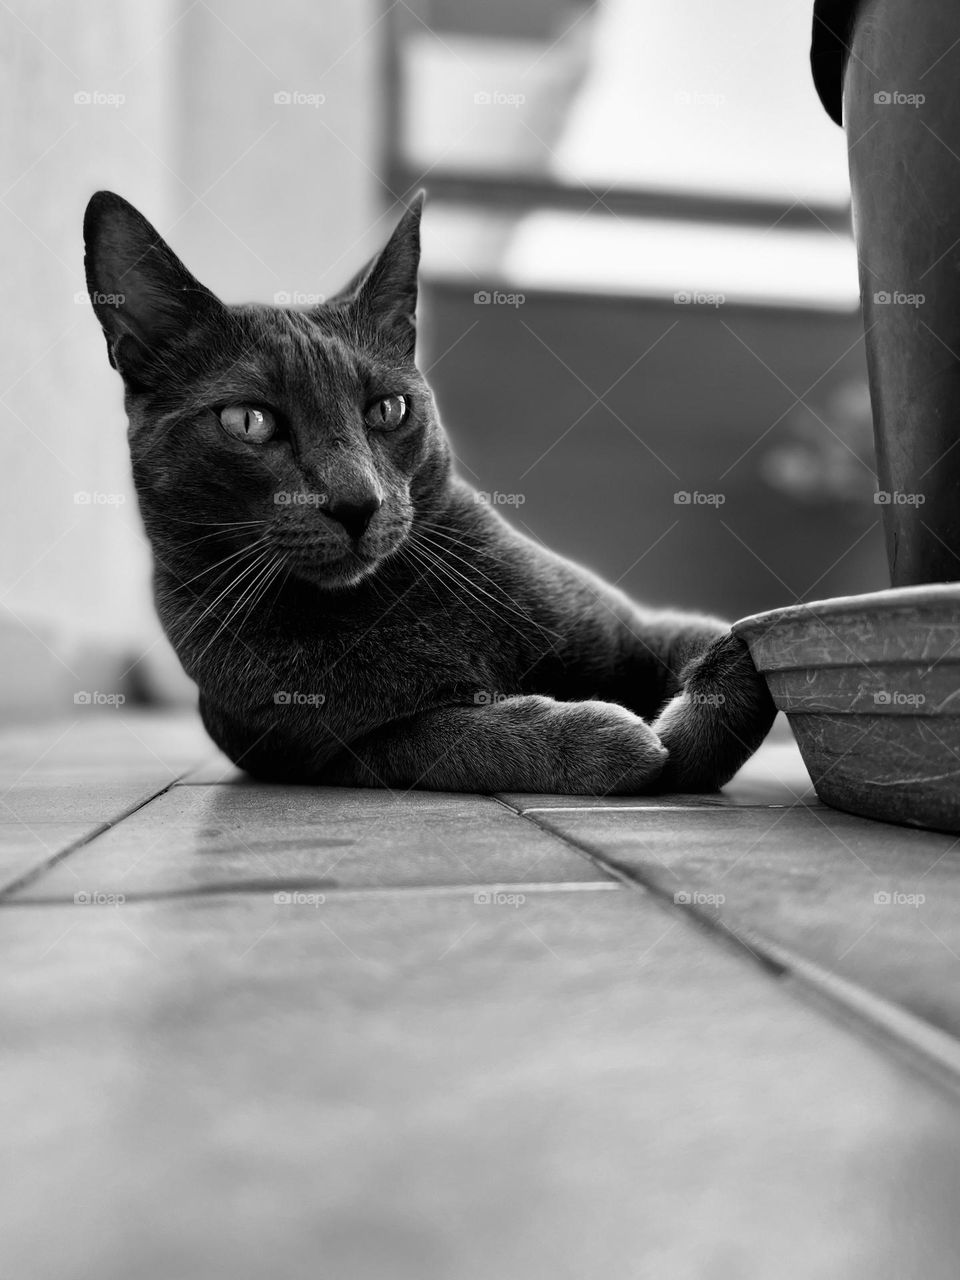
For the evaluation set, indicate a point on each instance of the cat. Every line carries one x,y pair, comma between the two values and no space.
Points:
351,613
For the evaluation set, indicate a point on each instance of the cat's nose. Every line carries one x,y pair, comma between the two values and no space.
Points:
355,516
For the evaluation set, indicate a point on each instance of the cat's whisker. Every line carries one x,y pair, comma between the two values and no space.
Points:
234,555
425,574
221,532
408,555
250,593
439,531
457,539
512,606
517,606
220,524
234,582
250,573
460,583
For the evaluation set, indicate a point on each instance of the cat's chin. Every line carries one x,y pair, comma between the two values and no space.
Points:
340,575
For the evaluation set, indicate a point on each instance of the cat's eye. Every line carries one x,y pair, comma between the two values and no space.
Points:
386,413
248,422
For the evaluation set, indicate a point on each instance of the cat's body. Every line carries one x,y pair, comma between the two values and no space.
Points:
348,608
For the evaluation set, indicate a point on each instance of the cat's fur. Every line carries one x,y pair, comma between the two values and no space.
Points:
441,649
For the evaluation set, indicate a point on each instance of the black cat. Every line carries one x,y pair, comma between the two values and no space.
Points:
350,611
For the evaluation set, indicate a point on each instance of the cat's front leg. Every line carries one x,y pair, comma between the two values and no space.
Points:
722,714
524,743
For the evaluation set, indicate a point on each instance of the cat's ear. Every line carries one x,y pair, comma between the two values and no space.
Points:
386,296
143,295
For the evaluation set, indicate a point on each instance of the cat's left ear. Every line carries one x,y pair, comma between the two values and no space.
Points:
386,298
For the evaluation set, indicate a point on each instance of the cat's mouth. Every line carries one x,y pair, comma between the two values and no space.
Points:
329,568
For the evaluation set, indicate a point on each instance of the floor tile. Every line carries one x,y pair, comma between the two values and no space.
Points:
877,904
571,1086
25,848
61,782
197,838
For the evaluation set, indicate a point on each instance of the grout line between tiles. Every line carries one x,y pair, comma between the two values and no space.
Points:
34,873
931,1051
654,808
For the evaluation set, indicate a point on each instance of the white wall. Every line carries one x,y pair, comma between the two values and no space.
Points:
256,197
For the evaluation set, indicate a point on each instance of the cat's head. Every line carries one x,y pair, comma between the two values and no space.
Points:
310,429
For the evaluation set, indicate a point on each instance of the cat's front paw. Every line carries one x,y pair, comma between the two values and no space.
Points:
717,721
607,750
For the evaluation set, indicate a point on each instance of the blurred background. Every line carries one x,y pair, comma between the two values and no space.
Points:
639,306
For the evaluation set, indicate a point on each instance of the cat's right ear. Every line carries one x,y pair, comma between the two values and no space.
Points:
385,294
143,295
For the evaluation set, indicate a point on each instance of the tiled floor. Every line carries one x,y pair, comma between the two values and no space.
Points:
257,1030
